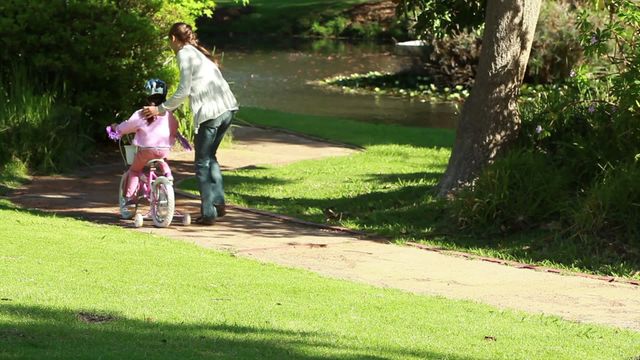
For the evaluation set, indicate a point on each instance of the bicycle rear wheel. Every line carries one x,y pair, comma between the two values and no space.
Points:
127,212
163,202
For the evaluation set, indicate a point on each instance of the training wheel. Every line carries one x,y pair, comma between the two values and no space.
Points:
186,219
138,220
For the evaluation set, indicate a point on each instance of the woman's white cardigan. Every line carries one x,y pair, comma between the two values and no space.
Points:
201,81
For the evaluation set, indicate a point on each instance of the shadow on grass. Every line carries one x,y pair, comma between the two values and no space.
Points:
381,211
411,213
39,332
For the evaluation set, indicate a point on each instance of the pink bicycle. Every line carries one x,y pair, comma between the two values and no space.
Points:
153,187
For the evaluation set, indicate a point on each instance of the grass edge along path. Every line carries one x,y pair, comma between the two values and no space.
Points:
90,290
387,190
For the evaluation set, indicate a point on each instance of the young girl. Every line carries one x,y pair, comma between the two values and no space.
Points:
154,136
213,106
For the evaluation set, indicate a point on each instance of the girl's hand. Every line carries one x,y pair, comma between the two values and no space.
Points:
150,111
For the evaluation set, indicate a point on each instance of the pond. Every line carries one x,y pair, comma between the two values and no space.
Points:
277,76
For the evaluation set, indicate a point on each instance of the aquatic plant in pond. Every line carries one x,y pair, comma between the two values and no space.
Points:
400,84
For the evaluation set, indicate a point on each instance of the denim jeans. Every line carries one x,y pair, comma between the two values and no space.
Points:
210,134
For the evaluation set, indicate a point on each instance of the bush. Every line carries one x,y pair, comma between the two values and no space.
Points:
453,57
101,50
12,175
522,190
577,135
611,207
576,160
556,47
332,28
37,127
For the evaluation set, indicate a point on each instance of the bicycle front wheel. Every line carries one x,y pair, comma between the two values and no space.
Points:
163,202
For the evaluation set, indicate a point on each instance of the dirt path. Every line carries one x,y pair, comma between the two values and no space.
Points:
91,194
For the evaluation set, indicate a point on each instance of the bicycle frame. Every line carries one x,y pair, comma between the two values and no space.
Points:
147,179
157,190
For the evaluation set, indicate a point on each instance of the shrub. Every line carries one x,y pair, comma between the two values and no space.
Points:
522,190
610,209
577,135
453,59
456,44
37,127
102,50
12,174
583,137
556,47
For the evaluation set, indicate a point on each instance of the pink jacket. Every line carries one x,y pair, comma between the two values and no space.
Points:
160,133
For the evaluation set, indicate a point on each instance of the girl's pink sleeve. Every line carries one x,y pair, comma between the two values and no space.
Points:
135,122
173,125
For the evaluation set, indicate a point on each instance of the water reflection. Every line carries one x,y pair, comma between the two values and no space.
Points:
276,76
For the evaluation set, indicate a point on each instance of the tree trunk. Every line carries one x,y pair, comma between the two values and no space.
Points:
489,121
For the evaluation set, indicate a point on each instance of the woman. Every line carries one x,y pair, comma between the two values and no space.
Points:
213,106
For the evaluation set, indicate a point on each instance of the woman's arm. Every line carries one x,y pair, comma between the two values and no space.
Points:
185,64
173,127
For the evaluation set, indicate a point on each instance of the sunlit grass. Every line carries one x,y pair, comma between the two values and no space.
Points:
12,174
387,189
89,291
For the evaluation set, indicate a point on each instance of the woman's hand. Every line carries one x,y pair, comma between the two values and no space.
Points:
150,111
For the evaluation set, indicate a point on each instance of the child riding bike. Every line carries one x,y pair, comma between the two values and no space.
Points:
154,136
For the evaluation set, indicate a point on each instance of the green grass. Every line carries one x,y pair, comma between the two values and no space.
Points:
165,299
349,131
12,174
383,189
387,190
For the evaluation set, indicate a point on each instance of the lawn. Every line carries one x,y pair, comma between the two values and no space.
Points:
91,291
387,189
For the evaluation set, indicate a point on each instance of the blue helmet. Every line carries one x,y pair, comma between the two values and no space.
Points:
155,86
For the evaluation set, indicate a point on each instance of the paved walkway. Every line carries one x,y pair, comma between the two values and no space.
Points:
91,195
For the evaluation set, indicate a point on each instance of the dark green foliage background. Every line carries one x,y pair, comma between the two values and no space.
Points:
101,51
91,59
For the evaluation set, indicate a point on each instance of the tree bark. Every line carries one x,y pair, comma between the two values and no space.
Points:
489,120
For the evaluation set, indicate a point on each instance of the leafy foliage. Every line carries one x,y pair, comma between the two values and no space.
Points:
197,8
87,62
37,127
556,47
587,131
513,194
438,18
101,51
454,31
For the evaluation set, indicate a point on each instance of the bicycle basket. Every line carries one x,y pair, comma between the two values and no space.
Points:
130,152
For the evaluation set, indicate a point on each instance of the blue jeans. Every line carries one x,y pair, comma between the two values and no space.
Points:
210,134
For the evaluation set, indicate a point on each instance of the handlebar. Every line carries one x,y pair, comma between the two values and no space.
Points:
113,133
